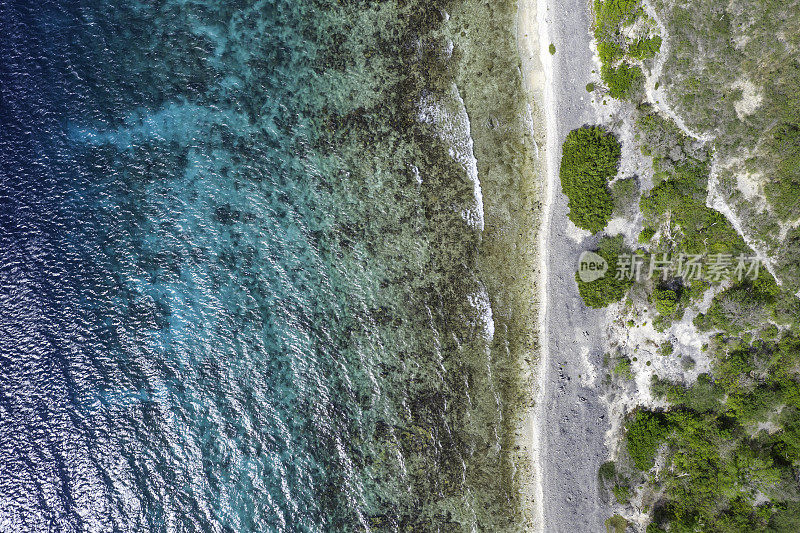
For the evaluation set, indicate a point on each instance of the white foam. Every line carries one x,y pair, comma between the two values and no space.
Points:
417,177
480,301
451,122
449,50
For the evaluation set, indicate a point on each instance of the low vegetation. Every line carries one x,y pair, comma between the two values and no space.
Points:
645,48
742,89
625,40
616,524
622,367
723,456
608,289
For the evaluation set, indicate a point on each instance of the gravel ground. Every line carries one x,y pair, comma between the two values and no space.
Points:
573,418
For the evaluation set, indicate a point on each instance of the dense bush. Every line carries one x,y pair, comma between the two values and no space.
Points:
609,52
695,227
646,234
732,436
621,80
645,433
744,307
607,471
608,289
707,91
665,301
618,49
590,157
789,257
717,475
786,519
646,48
781,190
611,15
704,395
720,465
715,469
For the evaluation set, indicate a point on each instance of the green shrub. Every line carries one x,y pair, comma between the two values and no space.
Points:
609,52
781,191
607,471
645,433
695,228
665,301
611,15
765,288
789,256
552,49
786,519
666,349
616,524
590,158
703,396
665,142
745,306
646,235
645,48
622,81
725,473
589,87
622,494
623,368
608,289
769,332
788,440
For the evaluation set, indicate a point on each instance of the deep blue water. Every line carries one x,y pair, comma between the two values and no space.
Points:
238,281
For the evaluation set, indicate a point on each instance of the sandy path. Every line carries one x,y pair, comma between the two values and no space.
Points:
569,425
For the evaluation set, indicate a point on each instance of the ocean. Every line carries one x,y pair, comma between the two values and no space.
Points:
266,266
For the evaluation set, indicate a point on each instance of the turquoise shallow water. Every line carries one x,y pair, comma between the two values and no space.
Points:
240,262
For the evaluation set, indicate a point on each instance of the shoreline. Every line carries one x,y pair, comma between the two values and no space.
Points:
506,136
551,128
534,39
532,44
